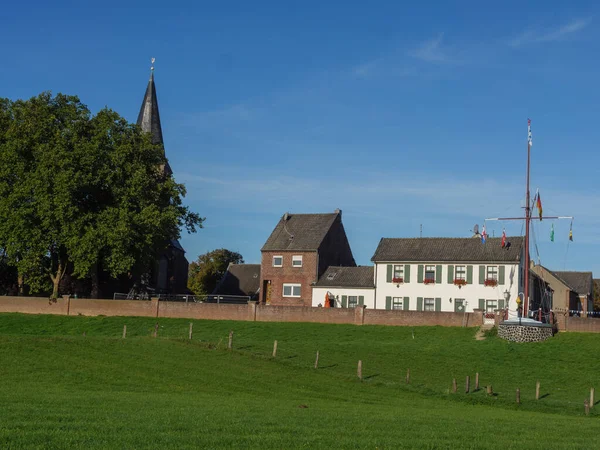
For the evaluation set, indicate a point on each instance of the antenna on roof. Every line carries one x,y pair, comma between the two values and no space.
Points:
421,230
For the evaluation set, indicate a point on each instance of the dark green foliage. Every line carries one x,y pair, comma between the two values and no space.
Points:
82,193
207,271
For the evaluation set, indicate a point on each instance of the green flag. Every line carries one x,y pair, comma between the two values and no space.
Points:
552,233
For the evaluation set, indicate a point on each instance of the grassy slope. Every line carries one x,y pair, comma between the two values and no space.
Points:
63,390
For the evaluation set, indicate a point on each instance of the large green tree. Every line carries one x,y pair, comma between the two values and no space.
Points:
209,268
82,193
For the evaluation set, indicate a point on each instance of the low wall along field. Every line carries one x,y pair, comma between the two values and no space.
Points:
262,313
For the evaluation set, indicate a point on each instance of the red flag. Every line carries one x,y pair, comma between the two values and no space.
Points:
539,205
503,238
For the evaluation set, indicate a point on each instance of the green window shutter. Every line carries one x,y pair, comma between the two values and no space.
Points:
361,300
469,274
481,274
419,303
389,273
407,273
388,303
501,304
420,274
501,275
405,304
438,274
482,304
438,304
450,274
344,301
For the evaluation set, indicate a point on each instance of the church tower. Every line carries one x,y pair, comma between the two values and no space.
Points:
170,273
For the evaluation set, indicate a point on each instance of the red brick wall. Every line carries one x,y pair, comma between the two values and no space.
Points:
305,275
307,314
424,318
579,324
33,305
88,307
211,311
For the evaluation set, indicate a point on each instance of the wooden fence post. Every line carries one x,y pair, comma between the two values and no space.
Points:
586,408
468,384
490,390
191,331
518,396
124,331
477,381
537,390
156,330
275,349
407,376
359,370
592,397
317,360
454,385
230,344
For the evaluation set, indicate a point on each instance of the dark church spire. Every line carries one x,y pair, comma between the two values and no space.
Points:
149,117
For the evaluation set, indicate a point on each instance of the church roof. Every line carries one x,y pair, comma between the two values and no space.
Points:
149,117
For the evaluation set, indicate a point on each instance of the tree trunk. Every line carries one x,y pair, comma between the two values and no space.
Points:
60,271
20,284
95,283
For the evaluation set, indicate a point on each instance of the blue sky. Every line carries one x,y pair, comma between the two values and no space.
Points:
398,113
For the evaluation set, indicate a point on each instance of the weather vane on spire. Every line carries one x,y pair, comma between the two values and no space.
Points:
152,66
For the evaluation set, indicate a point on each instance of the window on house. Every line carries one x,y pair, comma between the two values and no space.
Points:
399,271
297,261
492,273
397,303
460,273
352,301
277,261
491,306
291,290
430,273
429,304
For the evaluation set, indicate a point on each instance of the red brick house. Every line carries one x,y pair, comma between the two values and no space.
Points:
297,253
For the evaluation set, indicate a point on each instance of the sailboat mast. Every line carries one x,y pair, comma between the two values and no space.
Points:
527,221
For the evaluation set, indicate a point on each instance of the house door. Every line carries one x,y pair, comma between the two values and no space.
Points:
266,297
459,305
490,312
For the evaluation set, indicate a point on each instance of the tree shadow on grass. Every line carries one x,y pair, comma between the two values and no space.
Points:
371,376
328,367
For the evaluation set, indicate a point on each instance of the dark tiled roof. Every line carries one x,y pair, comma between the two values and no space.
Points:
300,232
239,279
335,276
149,117
448,249
580,282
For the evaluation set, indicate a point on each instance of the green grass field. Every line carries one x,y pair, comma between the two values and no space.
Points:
61,389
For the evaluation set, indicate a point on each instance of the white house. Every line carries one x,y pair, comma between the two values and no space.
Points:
345,287
447,274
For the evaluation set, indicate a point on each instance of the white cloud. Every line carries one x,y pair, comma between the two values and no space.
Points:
432,51
549,35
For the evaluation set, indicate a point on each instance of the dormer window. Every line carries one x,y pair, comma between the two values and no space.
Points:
277,261
297,261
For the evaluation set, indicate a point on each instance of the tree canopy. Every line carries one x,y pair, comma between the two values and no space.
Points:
209,268
81,192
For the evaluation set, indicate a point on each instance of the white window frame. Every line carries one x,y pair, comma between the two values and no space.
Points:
491,305
431,306
398,271
352,301
295,259
460,274
428,269
277,256
491,273
397,303
292,287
